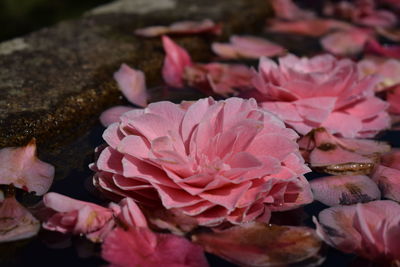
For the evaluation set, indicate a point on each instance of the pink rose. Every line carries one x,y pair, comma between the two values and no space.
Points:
370,230
216,161
321,91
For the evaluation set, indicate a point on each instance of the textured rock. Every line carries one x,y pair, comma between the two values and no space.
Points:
59,79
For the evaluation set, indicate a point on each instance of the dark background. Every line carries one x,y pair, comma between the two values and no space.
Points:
19,17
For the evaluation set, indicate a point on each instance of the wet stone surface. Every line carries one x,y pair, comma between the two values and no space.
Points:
60,78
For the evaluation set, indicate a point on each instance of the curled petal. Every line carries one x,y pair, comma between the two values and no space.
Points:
181,27
113,114
247,47
344,190
391,51
129,249
310,27
132,84
258,244
175,62
21,168
345,43
16,222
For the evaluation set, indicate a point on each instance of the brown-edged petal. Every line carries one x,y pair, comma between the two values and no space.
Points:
16,222
20,167
344,190
258,244
340,156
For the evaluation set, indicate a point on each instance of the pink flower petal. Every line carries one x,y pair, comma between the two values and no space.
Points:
132,84
337,156
77,217
247,47
16,222
113,114
344,190
286,9
175,62
391,51
364,229
21,168
346,43
393,97
129,249
258,244
309,27
181,27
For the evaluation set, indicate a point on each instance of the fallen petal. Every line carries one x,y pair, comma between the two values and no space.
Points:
16,222
181,27
132,84
344,190
247,47
175,62
391,51
21,168
258,244
346,43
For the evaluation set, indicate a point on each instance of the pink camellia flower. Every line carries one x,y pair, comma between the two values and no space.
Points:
212,78
387,69
346,43
79,217
286,9
225,161
310,27
387,175
370,230
139,246
181,27
20,167
321,91
16,222
247,47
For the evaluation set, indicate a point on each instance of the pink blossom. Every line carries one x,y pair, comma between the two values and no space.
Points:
311,27
321,91
286,9
247,47
212,78
387,69
21,168
132,84
346,43
341,156
387,175
258,244
344,190
370,230
391,51
181,27
225,161
78,217
16,222
139,246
